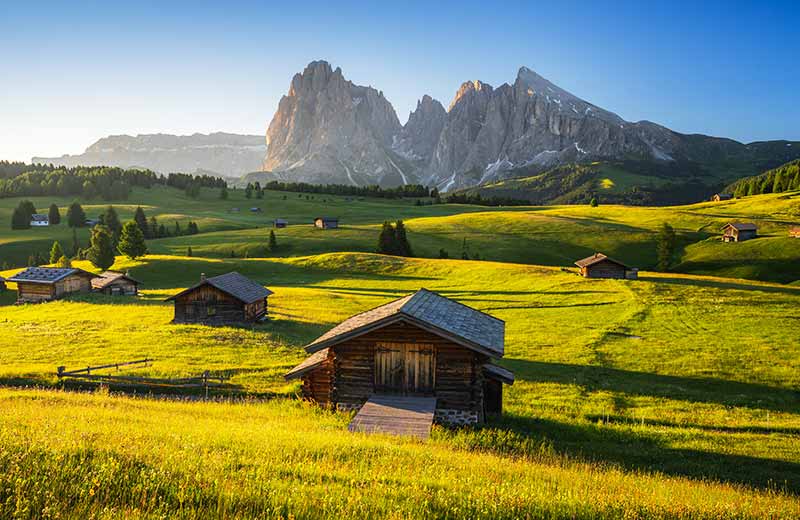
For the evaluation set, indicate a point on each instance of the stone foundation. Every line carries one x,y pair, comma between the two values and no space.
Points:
450,417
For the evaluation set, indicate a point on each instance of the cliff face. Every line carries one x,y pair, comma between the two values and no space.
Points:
222,154
328,130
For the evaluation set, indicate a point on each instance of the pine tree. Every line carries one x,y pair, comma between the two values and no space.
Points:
162,231
593,203
152,225
189,251
177,229
386,240
273,242
110,219
56,252
54,216
141,220
64,262
665,248
19,219
76,246
75,215
131,241
443,253
101,248
248,191
259,191
402,246
223,193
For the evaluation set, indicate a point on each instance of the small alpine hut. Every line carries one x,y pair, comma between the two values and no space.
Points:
719,197
739,231
420,345
229,298
115,283
601,266
280,223
40,220
326,222
38,284
794,232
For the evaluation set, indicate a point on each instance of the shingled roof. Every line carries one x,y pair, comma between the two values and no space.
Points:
107,277
47,275
308,364
239,286
499,373
462,324
741,226
597,258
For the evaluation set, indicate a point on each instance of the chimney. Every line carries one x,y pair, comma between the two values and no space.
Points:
202,277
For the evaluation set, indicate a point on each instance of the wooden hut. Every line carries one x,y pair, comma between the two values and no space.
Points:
40,220
2,284
326,222
739,231
38,284
280,223
719,197
601,266
794,232
421,345
115,283
221,300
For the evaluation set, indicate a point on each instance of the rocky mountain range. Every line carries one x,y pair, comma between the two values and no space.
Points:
221,154
328,130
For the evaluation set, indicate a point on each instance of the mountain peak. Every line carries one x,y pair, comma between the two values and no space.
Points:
468,88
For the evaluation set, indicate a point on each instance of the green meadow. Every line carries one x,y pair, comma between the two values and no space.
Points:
674,396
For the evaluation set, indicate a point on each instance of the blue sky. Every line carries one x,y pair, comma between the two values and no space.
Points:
77,71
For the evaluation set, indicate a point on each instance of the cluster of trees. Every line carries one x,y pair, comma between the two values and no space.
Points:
393,240
477,200
778,180
407,191
665,246
151,228
107,183
254,189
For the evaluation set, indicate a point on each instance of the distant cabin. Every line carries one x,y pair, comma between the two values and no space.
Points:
739,231
40,220
115,284
221,300
721,196
326,222
280,223
234,210
601,266
794,232
92,222
255,210
420,345
38,284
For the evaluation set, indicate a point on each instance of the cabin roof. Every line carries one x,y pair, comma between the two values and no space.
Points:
106,278
724,195
239,286
499,373
39,217
47,275
741,226
596,259
327,219
464,325
308,364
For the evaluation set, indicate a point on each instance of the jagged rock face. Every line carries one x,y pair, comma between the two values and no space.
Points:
219,153
532,122
329,130
421,133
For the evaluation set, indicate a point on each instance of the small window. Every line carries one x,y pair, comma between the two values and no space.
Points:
211,310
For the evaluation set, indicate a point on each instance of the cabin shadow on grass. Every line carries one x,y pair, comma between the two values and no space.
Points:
632,451
697,389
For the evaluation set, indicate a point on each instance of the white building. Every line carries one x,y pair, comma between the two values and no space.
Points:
38,219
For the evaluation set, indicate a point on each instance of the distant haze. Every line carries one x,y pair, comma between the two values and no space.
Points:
76,73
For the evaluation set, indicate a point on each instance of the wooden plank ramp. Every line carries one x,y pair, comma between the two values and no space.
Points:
396,415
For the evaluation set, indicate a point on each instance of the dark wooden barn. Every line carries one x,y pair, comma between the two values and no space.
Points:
2,284
280,223
739,231
38,284
794,232
421,345
221,300
326,222
115,283
600,266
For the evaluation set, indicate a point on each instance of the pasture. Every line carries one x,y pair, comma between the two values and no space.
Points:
674,396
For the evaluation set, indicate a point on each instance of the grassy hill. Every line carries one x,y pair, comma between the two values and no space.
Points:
671,396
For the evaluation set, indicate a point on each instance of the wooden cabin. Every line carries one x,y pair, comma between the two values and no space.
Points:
794,232
421,345
39,284
280,223
601,266
326,222
115,284
229,298
718,197
739,231
2,284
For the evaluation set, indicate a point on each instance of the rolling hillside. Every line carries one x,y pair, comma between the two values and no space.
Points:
675,396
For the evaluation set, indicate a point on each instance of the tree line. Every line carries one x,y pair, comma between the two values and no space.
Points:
407,191
778,180
104,182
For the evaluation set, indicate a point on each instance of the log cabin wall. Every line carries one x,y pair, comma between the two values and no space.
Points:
604,269
254,311
35,292
125,287
458,376
73,283
208,305
318,384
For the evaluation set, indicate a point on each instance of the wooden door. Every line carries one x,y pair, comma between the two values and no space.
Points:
406,368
